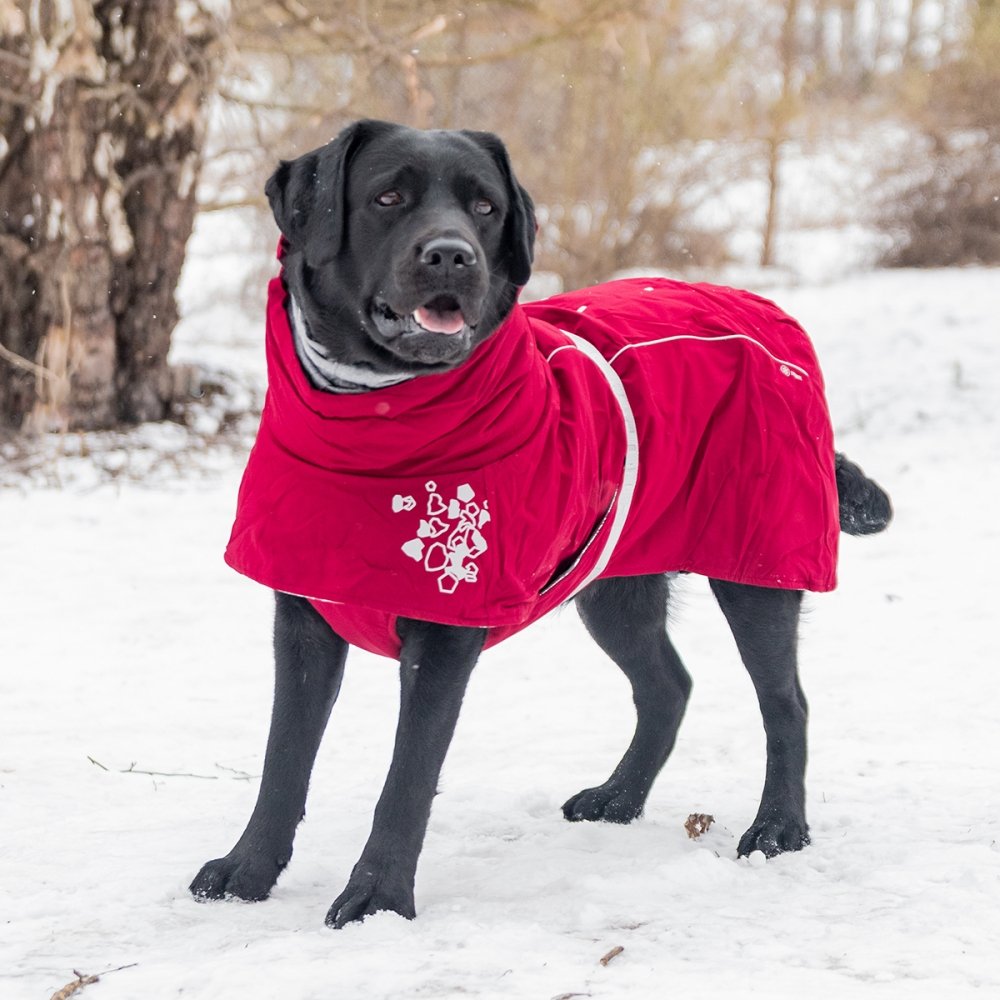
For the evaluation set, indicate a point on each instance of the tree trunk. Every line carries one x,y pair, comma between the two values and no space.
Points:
781,114
819,43
101,129
852,66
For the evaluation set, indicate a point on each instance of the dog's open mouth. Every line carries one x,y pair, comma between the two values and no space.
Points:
439,332
441,315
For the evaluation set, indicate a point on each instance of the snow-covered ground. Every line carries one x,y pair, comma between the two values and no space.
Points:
127,647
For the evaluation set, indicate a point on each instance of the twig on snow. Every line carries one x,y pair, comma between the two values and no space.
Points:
78,984
614,953
234,773
132,769
81,980
237,774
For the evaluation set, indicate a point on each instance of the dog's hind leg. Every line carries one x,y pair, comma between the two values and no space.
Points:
434,670
764,622
309,666
627,618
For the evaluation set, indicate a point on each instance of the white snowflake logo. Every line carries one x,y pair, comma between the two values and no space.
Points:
449,540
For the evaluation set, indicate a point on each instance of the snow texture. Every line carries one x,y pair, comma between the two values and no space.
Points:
127,642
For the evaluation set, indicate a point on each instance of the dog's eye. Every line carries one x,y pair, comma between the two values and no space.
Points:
387,199
483,206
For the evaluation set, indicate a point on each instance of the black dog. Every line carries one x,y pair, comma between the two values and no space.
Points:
404,252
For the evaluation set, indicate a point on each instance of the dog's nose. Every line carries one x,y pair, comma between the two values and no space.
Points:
450,251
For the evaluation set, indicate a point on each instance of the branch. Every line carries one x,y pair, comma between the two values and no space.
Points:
224,206
132,769
78,984
24,364
110,92
265,105
144,173
584,22
237,774
11,97
23,62
81,980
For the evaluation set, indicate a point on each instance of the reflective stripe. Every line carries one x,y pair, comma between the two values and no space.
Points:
631,471
705,340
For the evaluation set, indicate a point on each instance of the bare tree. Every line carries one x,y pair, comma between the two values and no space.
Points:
941,207
782,112
102,118
913,28
590,96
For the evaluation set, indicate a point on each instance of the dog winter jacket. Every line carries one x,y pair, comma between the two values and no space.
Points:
640,426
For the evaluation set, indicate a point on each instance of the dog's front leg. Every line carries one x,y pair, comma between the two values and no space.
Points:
435,665
309,666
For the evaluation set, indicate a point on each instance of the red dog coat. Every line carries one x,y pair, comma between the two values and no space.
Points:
640,426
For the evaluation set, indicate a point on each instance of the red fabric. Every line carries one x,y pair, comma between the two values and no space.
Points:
458,497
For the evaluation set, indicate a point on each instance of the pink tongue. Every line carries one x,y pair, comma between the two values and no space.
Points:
450,321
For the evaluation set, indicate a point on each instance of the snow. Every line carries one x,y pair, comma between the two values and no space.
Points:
129,647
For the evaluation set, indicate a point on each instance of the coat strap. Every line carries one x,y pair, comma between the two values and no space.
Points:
631,471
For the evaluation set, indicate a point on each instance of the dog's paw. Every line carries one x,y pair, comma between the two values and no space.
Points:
231,877
368,892
610,803
774,837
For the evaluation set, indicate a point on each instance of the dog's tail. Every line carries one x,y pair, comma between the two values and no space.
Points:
865,508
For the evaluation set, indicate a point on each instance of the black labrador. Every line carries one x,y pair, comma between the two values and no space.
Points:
394,237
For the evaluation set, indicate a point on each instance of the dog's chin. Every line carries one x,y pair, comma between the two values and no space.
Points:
437,335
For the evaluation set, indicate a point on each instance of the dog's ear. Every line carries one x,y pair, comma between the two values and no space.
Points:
290,191
520,225
307,194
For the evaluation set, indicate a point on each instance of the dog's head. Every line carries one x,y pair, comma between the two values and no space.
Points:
405,248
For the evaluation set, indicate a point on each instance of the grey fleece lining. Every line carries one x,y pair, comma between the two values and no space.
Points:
325,373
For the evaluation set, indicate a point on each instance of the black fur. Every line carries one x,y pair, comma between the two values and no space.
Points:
356,258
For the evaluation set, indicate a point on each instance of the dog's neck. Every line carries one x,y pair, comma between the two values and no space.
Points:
325,373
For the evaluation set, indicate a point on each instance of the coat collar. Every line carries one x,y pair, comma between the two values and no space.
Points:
405,425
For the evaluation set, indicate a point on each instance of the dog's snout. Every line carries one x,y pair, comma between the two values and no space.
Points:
448,251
